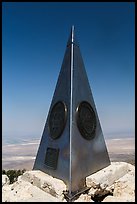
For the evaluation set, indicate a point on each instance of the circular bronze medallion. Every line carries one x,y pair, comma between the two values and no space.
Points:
86,120
57,119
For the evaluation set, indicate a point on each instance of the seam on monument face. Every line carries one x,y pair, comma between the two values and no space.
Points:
71,89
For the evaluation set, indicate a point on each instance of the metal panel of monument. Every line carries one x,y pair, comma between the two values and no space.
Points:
72,145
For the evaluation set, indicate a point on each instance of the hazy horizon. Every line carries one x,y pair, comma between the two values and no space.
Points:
27,138
22,155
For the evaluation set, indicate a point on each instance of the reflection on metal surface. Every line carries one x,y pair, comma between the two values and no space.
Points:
86,120
57,119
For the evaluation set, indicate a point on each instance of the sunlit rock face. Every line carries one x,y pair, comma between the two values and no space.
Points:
5,180
115,183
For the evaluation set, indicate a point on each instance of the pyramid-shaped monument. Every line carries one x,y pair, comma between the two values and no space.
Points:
72,145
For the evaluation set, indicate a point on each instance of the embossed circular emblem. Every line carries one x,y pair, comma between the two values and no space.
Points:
57,119
86,120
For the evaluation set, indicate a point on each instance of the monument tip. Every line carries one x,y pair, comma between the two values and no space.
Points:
73,28
72,33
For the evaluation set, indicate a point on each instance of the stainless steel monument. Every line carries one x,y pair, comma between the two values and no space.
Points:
72,145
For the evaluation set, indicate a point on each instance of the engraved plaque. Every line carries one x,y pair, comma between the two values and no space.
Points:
86,120
57,119
51,158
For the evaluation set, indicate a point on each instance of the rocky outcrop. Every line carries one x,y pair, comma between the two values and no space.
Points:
107,176
111,184
45,182
5,180
22,191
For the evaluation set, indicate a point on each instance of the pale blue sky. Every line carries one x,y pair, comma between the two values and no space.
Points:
34,37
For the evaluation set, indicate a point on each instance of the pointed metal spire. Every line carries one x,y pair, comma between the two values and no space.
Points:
72,145
72,34
72,39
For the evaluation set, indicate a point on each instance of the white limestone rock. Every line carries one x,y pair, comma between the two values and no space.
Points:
22,191
5,180
107,176
119,199
84,198
47,183
98,191
125,186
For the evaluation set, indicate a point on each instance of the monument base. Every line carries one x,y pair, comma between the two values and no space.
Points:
73,195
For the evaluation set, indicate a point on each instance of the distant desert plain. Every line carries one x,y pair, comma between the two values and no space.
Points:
22,156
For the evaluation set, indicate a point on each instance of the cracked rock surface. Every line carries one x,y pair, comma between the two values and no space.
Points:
115,183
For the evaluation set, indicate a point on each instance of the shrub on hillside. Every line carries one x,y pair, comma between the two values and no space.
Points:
13,174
